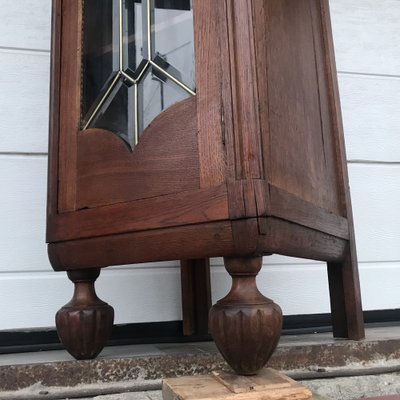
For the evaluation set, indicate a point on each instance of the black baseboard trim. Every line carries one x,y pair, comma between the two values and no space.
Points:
21,341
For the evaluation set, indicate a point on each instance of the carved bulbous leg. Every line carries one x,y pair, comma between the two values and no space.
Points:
84,324
245,325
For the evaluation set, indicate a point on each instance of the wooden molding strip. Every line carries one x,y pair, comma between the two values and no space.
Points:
203,205
288,239
289,207
185,242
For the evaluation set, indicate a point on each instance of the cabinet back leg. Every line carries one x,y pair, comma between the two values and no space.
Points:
345,297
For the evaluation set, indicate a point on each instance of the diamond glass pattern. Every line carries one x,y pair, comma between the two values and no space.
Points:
138,59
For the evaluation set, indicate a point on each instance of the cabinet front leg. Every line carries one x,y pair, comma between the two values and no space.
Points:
85,323
245,325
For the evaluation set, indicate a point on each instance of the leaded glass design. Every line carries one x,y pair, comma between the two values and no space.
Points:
138,59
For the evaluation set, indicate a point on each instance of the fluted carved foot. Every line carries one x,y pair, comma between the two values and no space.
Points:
85,323
245,325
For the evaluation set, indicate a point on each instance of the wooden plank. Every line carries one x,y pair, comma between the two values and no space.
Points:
266,379
184,208
268,384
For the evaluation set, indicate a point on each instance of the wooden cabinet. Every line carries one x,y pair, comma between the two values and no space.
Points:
250,163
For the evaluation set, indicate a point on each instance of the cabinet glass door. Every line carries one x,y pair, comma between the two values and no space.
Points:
138,59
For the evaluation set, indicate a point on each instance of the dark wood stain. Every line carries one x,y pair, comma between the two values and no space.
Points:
165,160
255,164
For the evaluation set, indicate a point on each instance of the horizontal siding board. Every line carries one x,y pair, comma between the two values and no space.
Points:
24,101
143,294
367,35
371,117
375,191
298,289
303,289
22,213
32,299
25,24
380,285
369,104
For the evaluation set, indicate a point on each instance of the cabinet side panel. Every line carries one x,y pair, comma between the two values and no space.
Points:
210,46
301,154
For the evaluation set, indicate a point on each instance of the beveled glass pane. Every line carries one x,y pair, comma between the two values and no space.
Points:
155,94
117,112
173,42
134,36
100,60
138,59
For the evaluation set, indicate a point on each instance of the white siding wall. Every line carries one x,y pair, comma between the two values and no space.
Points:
367,39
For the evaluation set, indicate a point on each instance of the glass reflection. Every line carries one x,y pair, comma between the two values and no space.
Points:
138,59
100,49
173,40
156,93
116,113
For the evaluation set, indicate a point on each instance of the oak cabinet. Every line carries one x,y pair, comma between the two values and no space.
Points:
240,155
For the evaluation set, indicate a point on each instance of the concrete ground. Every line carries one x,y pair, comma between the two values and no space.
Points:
347,388
350,388
331,368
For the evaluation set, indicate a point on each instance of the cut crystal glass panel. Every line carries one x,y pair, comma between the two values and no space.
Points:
138,59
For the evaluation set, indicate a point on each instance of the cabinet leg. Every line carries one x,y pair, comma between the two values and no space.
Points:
84,324
245,325
345,296
196,296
